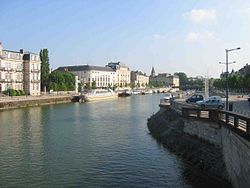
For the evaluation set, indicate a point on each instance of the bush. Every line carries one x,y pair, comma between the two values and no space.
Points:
17,93
12,92
22,92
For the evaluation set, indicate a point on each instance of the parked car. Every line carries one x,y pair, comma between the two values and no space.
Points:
194,98
211,102
248,98
168,96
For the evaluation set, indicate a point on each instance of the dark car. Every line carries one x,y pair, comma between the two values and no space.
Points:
194,98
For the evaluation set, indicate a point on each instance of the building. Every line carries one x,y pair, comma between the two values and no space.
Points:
20,70
32,73
167,79
245,70
122,73
139,79
103,76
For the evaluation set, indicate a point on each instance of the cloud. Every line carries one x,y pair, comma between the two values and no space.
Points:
198,37
158,37
201,15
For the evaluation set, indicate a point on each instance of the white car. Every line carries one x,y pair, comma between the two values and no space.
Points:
211,102
168,96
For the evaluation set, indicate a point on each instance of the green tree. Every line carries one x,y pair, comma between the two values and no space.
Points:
94,84
44,57
62,81
87,86
138,85
183,78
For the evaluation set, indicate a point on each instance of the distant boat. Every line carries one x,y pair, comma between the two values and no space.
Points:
100,94
124,94
136,92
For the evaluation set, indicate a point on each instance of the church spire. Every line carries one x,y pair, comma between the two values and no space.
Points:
152,72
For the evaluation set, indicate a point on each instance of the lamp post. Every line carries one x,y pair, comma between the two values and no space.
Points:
228,50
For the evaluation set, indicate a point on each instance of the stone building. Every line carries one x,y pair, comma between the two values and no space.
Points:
166,78
139,79
20,70
122,73
103,76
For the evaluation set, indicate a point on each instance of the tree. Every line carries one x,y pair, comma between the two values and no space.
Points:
87,86
94,84
44,56
61,81
183,78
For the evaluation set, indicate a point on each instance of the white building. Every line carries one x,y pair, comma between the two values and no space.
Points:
122,73
103,76
19,71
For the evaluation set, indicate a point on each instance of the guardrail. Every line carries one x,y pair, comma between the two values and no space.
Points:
238,123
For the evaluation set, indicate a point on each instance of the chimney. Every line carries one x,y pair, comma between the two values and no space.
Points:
21,51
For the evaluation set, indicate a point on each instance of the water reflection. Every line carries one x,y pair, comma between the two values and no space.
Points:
101,144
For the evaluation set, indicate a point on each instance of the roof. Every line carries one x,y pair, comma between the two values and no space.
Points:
11,51
85,67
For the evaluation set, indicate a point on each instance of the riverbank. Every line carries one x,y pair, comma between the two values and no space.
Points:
168,128
28,101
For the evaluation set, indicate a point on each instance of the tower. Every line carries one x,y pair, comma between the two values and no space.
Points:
152,72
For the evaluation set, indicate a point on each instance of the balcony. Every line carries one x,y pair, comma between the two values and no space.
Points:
35,70
19,70
35,81
4,80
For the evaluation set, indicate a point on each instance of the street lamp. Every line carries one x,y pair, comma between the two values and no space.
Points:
228,50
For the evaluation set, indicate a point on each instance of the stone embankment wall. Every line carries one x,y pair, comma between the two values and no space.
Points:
208,146
236,151
169,128
33,102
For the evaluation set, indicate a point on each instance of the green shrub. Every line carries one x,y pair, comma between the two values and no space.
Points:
21,92
17,92
12,92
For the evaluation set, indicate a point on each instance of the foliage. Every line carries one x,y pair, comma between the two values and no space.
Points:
61,81
87,86
94,84
235,81
183,78
44,56
12,92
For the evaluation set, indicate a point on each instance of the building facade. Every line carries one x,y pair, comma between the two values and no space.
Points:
17,71
32,73
167,79
122,73
103,76
139,79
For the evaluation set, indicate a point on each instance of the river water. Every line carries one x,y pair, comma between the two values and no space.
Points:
96,144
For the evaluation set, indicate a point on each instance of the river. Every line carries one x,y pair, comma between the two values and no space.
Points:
96,144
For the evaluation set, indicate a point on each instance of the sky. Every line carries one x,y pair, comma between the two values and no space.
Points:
171,35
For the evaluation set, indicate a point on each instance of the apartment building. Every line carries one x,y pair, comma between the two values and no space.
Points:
122,73
32,73
19,70
103,76
139,79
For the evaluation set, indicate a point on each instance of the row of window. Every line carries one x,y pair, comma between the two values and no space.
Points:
12,55
35,86
17,86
